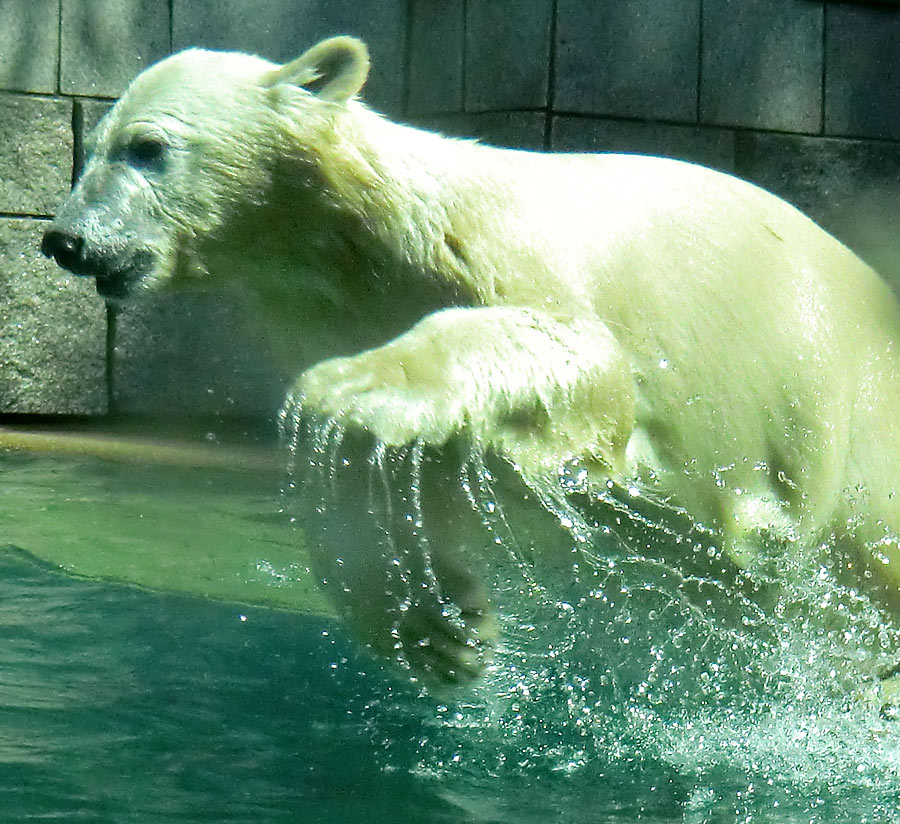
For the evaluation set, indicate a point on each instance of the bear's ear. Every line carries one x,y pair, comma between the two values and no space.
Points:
333,70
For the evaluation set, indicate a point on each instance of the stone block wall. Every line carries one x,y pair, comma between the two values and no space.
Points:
801,96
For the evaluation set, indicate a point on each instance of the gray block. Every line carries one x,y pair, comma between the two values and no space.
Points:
280,30
710,147
53,341
35,154
105,43
436,56
762,64
510,130
29,45
850,187
92,112
630,58
862,92
187,355
507,54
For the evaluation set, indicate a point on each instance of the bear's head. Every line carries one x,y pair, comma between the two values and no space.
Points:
196,142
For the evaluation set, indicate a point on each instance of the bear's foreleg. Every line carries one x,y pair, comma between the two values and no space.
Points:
531,388
535,389
398,549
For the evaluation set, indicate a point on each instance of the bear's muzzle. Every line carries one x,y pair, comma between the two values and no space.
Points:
114,274
67,250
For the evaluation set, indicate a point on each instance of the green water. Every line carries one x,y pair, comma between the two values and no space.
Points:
195,696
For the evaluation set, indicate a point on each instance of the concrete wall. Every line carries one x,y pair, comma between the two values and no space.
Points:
802,96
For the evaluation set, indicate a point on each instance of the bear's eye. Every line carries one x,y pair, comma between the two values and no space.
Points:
146,151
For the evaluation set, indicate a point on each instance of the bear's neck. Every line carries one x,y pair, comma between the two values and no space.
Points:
414,192
351,253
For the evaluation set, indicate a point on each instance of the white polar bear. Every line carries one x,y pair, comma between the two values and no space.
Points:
668,327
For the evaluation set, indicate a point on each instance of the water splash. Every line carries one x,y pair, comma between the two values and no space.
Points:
635,641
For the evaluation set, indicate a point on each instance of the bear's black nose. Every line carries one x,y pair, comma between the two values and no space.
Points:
65,248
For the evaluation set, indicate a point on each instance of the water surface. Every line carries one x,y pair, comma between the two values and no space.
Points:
126,704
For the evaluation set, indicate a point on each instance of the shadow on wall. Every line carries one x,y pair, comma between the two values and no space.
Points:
862,95
280,31
850,187
104,48
762,65
29,45
103,44
869,227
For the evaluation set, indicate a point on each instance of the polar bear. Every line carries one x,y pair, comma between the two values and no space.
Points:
660,325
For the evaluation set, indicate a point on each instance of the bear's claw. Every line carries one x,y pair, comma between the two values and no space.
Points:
446,649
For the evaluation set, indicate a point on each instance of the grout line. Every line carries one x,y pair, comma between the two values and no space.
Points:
724,127
111,324
77,140
824,67
59,45
23,216
698,103
551,77
517,110
465,54
405,91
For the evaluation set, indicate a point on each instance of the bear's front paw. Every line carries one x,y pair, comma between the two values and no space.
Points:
443,645
393,400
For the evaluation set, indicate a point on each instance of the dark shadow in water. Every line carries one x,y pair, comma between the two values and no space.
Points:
117,705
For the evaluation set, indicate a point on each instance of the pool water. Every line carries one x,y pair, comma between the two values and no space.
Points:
150,672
